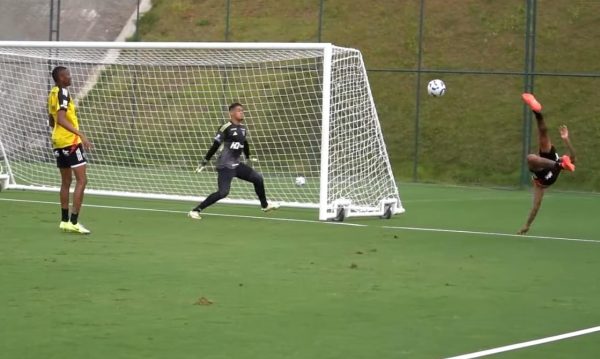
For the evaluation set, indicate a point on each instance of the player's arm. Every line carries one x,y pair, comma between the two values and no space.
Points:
247,149
61,118
211,151
247,153
219,137
564,134
538,195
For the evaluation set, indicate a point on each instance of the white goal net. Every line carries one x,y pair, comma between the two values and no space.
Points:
152,109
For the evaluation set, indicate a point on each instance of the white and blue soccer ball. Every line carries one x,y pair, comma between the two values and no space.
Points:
436,88
300,181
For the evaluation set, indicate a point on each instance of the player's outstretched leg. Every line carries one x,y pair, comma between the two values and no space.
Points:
224,182
545,145
536,162
247,173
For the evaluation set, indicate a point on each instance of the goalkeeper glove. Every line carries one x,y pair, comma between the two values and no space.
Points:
202,165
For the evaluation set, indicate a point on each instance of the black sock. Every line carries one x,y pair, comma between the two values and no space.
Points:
64,213
197,209
74,217
538,116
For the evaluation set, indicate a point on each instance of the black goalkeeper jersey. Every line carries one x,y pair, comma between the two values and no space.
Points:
233,139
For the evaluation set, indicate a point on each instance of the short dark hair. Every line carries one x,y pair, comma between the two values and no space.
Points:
57,71
234,105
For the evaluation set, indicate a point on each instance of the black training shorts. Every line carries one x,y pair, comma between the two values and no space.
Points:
70,157
547,177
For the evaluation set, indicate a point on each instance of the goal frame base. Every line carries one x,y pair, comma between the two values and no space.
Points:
343,208
4,178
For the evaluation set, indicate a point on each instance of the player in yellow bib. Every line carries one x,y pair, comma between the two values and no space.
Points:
68,145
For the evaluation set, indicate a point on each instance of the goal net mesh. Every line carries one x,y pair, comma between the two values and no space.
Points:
151,114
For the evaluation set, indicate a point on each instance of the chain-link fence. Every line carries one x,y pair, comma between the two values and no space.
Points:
487,52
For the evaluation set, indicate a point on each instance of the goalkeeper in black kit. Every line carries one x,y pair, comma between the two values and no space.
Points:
232,136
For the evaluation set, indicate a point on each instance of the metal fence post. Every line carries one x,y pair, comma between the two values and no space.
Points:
320,29
136,35
418,93
227,18
528,85
53,33
54,23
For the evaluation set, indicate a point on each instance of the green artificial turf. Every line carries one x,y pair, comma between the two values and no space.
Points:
287,286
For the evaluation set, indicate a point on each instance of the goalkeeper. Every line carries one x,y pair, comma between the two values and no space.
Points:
232,136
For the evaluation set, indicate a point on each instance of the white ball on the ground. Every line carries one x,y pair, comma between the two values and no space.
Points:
436,88
300,181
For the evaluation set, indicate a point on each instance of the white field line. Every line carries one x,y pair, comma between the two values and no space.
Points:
582,194
490,234
526,344
592,196
185,212
321,222
475,199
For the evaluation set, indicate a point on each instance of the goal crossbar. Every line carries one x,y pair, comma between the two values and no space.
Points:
166,45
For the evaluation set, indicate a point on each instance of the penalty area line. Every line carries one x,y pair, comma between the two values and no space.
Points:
526,344
185,212
439,230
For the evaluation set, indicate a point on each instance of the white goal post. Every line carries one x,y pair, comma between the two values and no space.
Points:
152,109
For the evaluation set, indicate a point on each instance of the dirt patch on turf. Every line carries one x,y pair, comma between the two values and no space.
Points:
203,301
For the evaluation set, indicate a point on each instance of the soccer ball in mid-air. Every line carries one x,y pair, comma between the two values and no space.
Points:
300,181
436,88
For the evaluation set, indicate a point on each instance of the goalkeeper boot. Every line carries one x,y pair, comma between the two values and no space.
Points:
271,207
533,104
194,215
78,228
64,226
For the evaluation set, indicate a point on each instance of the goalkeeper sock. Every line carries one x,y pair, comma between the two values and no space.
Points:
74,217
64,213
538,116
